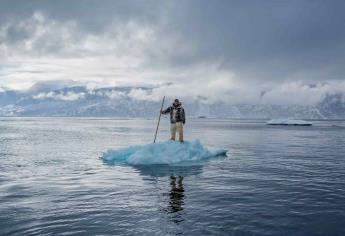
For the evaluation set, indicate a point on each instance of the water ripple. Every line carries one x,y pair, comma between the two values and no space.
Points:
277,181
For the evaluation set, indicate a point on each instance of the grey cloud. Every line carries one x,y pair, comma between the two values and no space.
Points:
92,15
267,39
255,38
262,47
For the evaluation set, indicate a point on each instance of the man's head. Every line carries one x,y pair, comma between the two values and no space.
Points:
176,103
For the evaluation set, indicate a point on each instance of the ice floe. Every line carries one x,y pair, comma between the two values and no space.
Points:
167,152
288,121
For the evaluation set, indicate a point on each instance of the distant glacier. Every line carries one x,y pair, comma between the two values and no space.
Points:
117,101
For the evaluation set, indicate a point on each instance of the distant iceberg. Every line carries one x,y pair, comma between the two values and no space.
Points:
167,152
288,121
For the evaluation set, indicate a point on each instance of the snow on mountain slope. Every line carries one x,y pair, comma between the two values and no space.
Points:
59,100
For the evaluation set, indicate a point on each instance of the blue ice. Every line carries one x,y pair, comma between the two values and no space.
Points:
167,152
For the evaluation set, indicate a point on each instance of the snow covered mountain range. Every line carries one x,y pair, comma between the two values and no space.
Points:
43,100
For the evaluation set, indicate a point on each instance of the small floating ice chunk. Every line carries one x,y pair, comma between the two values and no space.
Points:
167,152
288,122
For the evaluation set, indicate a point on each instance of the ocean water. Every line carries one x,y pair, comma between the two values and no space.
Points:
275,180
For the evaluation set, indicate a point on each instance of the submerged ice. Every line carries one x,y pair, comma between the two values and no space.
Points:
167,152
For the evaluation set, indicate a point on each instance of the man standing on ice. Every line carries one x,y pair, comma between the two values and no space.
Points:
177,119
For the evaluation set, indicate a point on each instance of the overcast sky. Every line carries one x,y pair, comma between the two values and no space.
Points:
279,52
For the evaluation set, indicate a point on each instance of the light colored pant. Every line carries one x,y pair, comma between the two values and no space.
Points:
178,126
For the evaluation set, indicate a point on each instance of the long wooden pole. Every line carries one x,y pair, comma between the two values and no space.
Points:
159,119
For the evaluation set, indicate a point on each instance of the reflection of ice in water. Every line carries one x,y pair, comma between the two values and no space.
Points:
168,152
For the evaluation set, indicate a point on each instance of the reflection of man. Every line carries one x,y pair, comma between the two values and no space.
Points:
177,119
176,194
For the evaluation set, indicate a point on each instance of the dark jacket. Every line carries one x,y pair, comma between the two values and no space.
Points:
179,114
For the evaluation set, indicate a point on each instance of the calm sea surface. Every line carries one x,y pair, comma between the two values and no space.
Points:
274,181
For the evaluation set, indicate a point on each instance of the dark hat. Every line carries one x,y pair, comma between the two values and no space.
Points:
176,102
